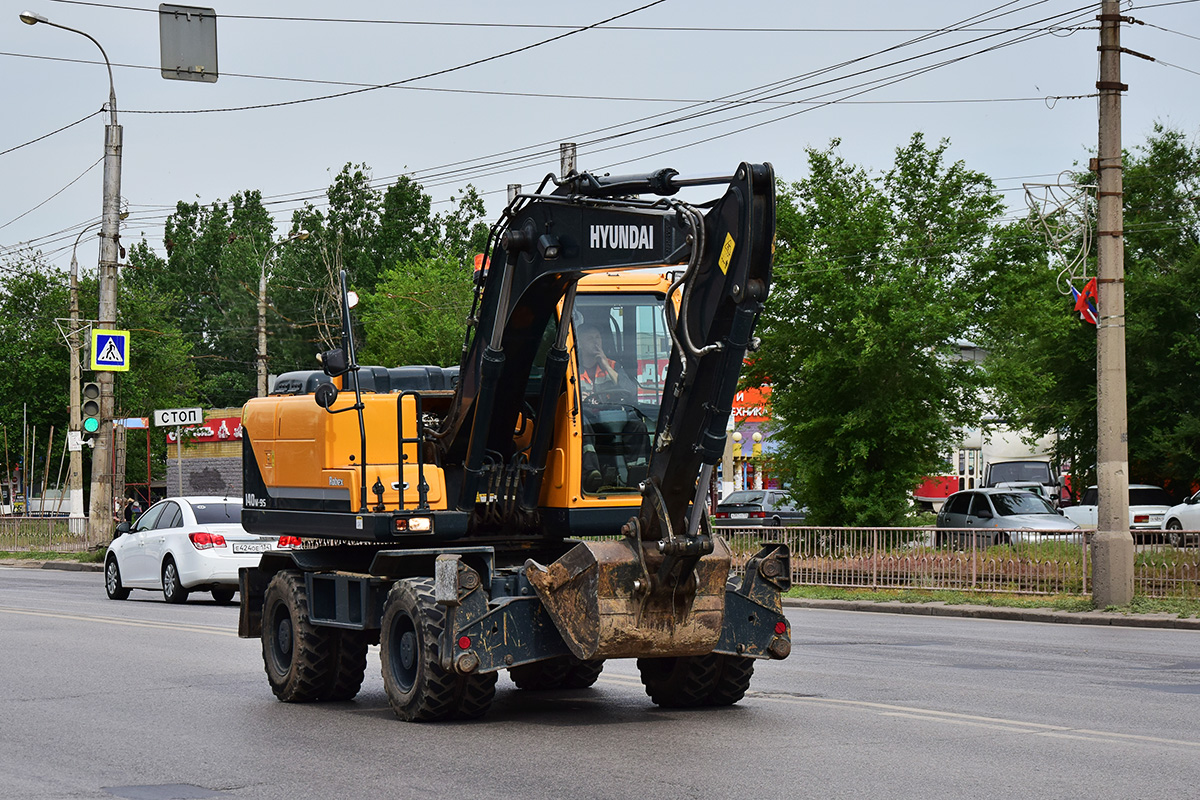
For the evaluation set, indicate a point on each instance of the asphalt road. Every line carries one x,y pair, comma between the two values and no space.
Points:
144,700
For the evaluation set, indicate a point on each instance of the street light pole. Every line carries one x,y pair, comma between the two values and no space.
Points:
100,512
300,235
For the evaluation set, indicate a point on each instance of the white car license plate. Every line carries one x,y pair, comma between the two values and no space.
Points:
738,515
251,547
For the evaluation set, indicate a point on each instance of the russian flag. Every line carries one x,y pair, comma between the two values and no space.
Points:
1085,301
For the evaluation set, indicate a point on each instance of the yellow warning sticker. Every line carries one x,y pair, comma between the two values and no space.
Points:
726,253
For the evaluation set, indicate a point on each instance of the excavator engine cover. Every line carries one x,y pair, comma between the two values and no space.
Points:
605,604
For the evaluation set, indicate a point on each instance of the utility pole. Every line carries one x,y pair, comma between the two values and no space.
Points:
1112,547
75,476
100,513
300,235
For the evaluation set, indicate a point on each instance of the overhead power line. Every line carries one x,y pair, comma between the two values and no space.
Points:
520,25
658,126
51,133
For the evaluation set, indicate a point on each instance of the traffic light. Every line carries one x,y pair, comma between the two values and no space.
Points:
89,407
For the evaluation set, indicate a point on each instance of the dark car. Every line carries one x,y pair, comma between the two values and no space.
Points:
758,508
981,517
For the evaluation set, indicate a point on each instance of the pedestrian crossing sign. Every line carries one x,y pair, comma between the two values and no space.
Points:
110,350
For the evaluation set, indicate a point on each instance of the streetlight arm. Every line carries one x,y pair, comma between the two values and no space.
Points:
30,18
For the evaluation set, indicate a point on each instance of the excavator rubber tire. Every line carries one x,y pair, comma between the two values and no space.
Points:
349,664
418,688
563,672
714,679
296,654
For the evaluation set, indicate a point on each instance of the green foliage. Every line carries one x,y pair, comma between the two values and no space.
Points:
34,384
860,335
209,281
1042,358
417,313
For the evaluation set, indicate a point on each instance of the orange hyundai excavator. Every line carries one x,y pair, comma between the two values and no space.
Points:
543,506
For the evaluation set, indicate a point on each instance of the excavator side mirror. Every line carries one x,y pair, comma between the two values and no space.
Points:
334,362
326,395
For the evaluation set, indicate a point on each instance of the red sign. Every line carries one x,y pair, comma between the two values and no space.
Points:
226,429
752,405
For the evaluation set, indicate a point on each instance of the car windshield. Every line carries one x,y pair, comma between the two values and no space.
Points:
1007,472
216,513
740,498
1149,497
1008,505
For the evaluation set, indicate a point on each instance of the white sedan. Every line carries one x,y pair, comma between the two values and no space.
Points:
1180,518
184,544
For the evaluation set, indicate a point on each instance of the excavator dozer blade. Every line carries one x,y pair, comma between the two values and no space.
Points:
600,598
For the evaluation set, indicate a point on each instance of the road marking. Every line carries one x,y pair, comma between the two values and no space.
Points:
950,717
132,623
618,679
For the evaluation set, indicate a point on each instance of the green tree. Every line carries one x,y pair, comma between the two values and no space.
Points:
211,275
861,335
1043,358
416,291
35,381
417,313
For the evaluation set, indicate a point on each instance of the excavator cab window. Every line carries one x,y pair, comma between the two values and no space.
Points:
622,350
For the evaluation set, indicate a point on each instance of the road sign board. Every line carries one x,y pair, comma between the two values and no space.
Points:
110,350
178,416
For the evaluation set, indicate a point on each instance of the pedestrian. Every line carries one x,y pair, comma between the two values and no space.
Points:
127,512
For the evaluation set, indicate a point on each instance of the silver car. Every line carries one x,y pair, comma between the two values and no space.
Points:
986,517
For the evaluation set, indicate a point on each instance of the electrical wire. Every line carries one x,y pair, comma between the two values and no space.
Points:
742,100
51,133
1168,30
434,74
517,25
1175,66
56,194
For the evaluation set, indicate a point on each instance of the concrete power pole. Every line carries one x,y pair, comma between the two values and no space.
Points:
1113,550
100,514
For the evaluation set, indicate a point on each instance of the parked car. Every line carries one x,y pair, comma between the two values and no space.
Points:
1029,486
183,544
758,507
982,515
1180,518
1147,507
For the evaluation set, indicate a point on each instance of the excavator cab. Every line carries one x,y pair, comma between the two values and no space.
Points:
621,351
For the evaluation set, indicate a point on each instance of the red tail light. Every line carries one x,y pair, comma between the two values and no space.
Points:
722,515
289,541
203,541
1141,518
758,515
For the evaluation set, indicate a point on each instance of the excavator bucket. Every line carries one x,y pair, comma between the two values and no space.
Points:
603,601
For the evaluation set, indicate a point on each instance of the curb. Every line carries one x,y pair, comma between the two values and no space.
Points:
67,566
939,609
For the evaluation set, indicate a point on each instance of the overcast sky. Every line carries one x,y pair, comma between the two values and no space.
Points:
635,93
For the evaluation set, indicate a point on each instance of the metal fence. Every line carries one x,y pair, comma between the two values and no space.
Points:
62,534
1007,561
